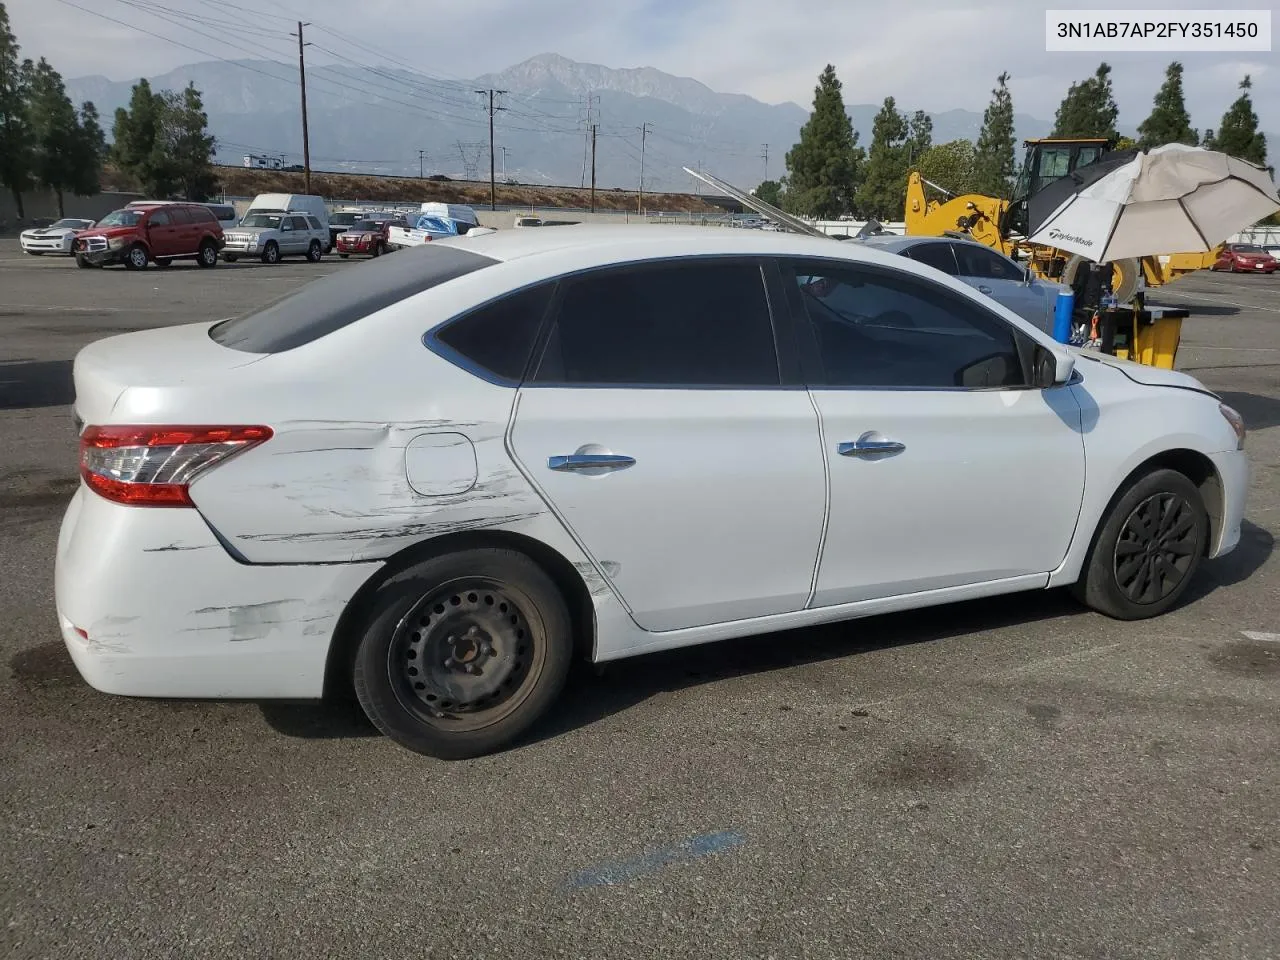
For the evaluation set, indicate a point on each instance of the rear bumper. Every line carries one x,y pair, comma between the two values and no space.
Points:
166,612
1233,471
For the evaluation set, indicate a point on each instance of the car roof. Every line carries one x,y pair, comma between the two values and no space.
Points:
605,244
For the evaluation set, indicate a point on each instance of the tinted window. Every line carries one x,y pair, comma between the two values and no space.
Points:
882,329
179,216
222,212
687,323
314,224
499,336
160,218
299,223
339,299
204,215
936,255
980,262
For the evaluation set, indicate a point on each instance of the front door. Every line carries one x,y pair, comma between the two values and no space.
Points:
163,237
946,469
658,427
1005,282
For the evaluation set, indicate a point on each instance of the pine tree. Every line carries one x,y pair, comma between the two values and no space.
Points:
56,132
883,191
920,138
90,150
1089,108
1169,121
1238,134
823,168
189,145
993,161
139,147
15,126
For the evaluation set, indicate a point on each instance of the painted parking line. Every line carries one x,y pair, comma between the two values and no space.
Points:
1261,637
1229,303
705,845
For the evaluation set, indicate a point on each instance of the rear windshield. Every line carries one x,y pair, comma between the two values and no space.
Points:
1246,248
343,218
344,297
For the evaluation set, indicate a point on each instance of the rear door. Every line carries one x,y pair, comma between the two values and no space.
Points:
682,455
186,229
937,254
946,469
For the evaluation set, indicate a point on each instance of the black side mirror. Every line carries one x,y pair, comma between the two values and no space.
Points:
1044,372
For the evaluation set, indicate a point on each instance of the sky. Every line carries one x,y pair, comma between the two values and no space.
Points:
934,56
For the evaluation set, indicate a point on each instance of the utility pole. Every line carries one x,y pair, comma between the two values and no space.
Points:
504,163
593,167
644,132
493,187
421,154
766,161
306,139
592,99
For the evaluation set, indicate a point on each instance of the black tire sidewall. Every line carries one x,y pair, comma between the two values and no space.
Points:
271,253
204,258
1098,587
399,593
129,257
315,252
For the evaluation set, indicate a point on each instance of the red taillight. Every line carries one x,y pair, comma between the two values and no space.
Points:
153,465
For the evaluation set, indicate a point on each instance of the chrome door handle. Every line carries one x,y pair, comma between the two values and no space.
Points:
983,289
590,461
870,444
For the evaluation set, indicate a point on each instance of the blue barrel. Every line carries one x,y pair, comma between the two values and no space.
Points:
1062,315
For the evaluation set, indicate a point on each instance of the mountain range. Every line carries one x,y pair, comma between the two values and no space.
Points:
377,119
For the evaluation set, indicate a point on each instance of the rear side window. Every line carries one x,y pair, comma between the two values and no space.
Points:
180,216
687,323
299,223
201,215
342,298
314,224
498,337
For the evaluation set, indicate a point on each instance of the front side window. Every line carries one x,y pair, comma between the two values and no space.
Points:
160,218
976,261
936,255
686,323
1054,162
876,328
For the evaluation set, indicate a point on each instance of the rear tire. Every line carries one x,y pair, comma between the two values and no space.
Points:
463,653
136,258
271,252
315,252
1148,549
208,256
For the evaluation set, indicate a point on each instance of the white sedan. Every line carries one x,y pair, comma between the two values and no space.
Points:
55,238
438,478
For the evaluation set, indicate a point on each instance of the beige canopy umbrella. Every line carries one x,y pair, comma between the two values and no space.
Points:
1170,199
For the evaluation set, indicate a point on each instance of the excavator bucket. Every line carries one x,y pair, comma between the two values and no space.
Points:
759,206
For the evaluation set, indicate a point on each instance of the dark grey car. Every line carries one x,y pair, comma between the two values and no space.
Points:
992,273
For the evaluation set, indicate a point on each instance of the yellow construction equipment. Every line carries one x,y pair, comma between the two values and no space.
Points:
1003,224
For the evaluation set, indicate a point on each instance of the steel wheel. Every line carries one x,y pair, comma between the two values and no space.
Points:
1155,549
136,259
465,655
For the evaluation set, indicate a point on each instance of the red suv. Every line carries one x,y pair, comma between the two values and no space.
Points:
144,232
1246,257
368,236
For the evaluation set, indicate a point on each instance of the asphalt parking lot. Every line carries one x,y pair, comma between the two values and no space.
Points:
1007,778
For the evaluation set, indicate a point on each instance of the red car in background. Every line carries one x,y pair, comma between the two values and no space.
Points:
368,237
158,232
1245,258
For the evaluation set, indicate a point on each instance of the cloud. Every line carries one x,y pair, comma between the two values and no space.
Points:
936,56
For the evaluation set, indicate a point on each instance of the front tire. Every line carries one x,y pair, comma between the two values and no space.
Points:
83,263
271,252
136,258
208,255
463,653
1148,549
315,252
